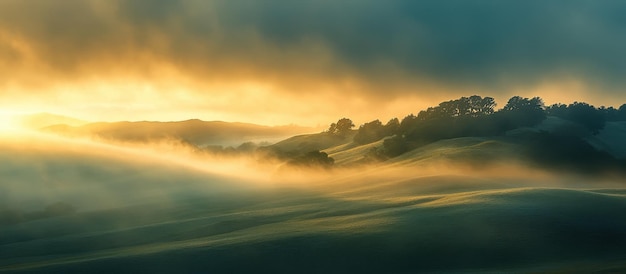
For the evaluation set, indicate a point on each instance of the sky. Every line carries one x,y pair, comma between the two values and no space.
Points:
277,62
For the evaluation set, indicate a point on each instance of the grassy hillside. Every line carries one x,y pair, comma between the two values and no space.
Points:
469,204
469,150
351,153
502,230
302,144
555,143
137,212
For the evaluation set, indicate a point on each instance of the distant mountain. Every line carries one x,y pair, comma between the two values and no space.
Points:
196,132
41,120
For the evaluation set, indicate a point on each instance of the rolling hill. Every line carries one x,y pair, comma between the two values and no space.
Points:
521,145
41,120
137,212
467,204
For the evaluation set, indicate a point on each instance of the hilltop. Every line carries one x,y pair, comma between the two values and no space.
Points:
576,138
42,120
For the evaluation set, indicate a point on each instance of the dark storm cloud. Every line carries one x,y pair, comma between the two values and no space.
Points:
475,41
484,44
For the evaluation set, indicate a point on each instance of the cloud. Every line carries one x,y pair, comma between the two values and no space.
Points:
370,51
40,170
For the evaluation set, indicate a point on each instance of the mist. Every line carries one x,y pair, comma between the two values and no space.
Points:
86,198
216,136
91,173
531,188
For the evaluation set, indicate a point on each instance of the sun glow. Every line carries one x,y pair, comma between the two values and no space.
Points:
9,122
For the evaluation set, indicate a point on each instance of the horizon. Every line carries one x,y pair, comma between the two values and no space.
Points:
308,136
13,118
262,64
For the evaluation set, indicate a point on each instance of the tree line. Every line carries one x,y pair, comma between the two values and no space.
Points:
561,147
476,116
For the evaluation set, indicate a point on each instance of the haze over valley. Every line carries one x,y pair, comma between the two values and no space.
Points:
312,136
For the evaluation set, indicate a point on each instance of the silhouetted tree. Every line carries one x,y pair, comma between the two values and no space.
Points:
583,114
521,112
621,113
247,147
332,129
586,115
473,106
392,127
407,124
395,146
610,113
343,126
558,110
466,116
313,159
517,103
481,106
370,132
476,116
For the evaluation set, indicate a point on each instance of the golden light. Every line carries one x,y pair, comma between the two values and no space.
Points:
9,122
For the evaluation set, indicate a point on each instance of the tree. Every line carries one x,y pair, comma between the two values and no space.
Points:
407,124
428,114
332,129
392,127
610,113
473,106
517,103
621,113
586,115
395,146
313,159
374,131
247,147
558,110
369,132
344,125
521,112
481,106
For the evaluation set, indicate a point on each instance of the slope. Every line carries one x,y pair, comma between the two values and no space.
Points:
137,212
